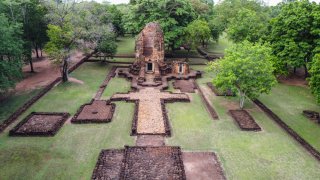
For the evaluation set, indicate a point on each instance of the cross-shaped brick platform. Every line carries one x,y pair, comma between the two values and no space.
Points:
151,118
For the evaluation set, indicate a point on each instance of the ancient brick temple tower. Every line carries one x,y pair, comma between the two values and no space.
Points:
150,53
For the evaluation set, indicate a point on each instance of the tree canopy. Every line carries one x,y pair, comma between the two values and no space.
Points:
314,80
294,35
10,53
173,16
246,68
247,25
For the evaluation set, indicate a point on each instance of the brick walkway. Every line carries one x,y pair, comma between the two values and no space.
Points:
150,117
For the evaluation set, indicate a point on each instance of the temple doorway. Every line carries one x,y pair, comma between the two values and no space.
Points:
149,67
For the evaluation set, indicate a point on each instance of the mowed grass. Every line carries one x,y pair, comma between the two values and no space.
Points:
116,85
12,103
288,102
126,45
269,154
73,152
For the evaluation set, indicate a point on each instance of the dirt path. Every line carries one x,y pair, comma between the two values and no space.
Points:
46,72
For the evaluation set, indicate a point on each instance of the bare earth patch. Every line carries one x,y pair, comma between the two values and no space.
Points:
153,163
40,124
244,120
46,72
202,165
186,86
109,165
97,111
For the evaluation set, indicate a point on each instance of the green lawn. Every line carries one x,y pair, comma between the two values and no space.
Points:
288,102
125,45
14,102
219,48
73,152
269,154
116,85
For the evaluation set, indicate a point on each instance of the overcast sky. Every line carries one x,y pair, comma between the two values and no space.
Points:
269,2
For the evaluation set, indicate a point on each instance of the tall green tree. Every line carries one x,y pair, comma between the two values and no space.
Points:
226,10
314,80
294,34
197,32
116,20
73,25
30,13
246,68
107,46
173,16
10,53
247,25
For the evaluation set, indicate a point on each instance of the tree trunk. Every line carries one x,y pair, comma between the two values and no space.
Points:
306,71
64,72
203,43
40,51
36,48
31,65
188,54
242,99
294,70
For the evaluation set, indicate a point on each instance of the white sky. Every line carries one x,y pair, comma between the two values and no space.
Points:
269,2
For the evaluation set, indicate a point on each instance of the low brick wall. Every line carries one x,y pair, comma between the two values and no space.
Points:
210,109
290,131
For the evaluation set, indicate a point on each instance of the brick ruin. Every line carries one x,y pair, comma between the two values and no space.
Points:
150,56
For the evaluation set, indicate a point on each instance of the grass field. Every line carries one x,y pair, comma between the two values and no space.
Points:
288,102
73,152
126,45
269,154
14,102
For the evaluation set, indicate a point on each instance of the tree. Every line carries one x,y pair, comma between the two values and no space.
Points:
73,25
201,8
30,13
107,46
226,10
314,80
294,34
246,68
173,16
116,19
196,33
10,53
247,25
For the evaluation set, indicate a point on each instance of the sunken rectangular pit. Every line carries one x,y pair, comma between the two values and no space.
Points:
109,165
40,124
153,163
244,120
97,111
140,162
185,86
